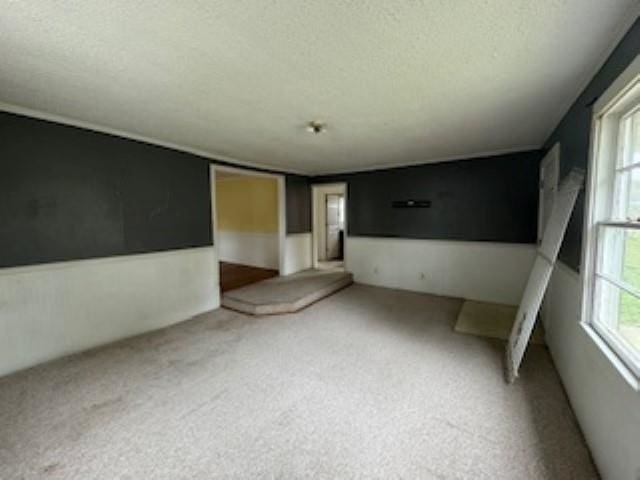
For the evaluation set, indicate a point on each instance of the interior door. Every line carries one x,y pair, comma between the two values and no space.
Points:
333,226
549,173
541,272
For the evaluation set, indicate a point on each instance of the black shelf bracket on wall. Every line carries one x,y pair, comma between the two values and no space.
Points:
411,203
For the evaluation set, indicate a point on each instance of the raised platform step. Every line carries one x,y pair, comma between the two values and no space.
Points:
286,294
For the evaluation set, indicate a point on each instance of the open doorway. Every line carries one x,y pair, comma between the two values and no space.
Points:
329,226
248,225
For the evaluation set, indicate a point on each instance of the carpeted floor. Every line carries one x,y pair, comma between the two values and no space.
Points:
367,383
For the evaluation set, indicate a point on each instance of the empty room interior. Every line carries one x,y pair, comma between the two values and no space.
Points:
284,239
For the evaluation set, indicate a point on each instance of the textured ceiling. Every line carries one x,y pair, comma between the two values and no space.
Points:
396,81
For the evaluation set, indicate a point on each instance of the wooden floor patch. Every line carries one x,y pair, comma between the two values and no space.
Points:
233,275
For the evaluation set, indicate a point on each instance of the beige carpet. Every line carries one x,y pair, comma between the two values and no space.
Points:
492,320
367,383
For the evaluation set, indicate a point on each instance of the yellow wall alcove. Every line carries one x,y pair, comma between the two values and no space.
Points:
247,204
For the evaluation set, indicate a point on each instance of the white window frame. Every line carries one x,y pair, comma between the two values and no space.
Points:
621,99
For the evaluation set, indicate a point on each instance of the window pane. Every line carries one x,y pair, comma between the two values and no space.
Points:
618,312
630,138
621,196
633,208
629,322
634,154
607,304
626,202
619,255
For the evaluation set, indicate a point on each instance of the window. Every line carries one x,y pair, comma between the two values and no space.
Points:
613,228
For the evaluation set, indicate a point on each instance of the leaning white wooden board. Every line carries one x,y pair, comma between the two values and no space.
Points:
541,272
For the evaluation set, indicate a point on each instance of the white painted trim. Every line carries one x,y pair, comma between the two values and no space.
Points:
214,212
611,356
241,164
616,37
435,241
317,189
427,161
622,85
619,88
282,223
52,117
282,205
95,260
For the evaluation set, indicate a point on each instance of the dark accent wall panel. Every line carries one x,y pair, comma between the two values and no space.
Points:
67,193
298,204
574,134
484,199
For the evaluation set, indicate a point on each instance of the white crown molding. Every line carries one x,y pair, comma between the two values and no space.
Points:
52,117
427,161
6,107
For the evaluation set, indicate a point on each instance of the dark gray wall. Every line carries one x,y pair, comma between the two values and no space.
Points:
298,204
59,184
68,193
485,199
574,131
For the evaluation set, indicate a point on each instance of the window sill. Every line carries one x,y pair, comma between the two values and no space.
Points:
612,357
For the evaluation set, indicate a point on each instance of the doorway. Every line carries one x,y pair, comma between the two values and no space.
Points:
248,213
329,226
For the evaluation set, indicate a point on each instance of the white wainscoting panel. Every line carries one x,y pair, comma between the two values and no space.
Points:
606,405
297,253
50,310
491,272
248,248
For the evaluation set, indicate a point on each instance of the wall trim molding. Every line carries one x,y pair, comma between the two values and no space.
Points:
317,176
231,162
99,260
318,221
382,238
71,122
